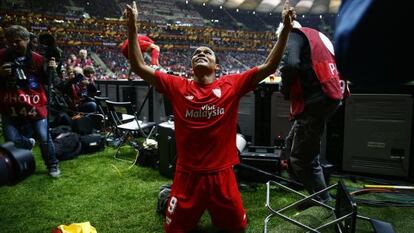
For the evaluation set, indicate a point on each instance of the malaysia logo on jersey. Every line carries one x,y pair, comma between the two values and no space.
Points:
217,92
206,111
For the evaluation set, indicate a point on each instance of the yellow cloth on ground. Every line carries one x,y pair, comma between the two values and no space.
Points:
84,227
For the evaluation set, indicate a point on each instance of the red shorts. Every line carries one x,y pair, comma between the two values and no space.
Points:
193,193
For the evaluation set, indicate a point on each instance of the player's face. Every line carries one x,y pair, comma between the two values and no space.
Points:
204,57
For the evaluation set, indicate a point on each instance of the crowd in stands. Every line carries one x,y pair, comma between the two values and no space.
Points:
240,38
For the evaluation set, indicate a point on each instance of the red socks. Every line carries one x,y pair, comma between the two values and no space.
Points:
155,54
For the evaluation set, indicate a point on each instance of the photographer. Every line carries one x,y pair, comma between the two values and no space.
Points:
23,101
80,88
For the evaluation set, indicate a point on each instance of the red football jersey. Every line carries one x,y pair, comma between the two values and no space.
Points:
205,118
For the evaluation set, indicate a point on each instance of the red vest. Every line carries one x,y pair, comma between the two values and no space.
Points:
324,66
28,101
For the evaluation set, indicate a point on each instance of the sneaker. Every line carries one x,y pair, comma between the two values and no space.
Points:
162,199
54,172
32,143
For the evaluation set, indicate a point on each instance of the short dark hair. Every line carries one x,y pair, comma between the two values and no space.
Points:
88,70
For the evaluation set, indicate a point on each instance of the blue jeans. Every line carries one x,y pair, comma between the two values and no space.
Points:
88,107
20,130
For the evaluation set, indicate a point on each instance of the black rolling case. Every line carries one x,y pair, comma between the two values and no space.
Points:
166,147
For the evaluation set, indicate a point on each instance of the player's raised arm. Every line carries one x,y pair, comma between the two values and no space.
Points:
275,56
136,59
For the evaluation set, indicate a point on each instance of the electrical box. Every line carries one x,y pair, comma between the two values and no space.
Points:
377,134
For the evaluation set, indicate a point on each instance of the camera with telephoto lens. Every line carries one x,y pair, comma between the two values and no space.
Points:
15,164
17,69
